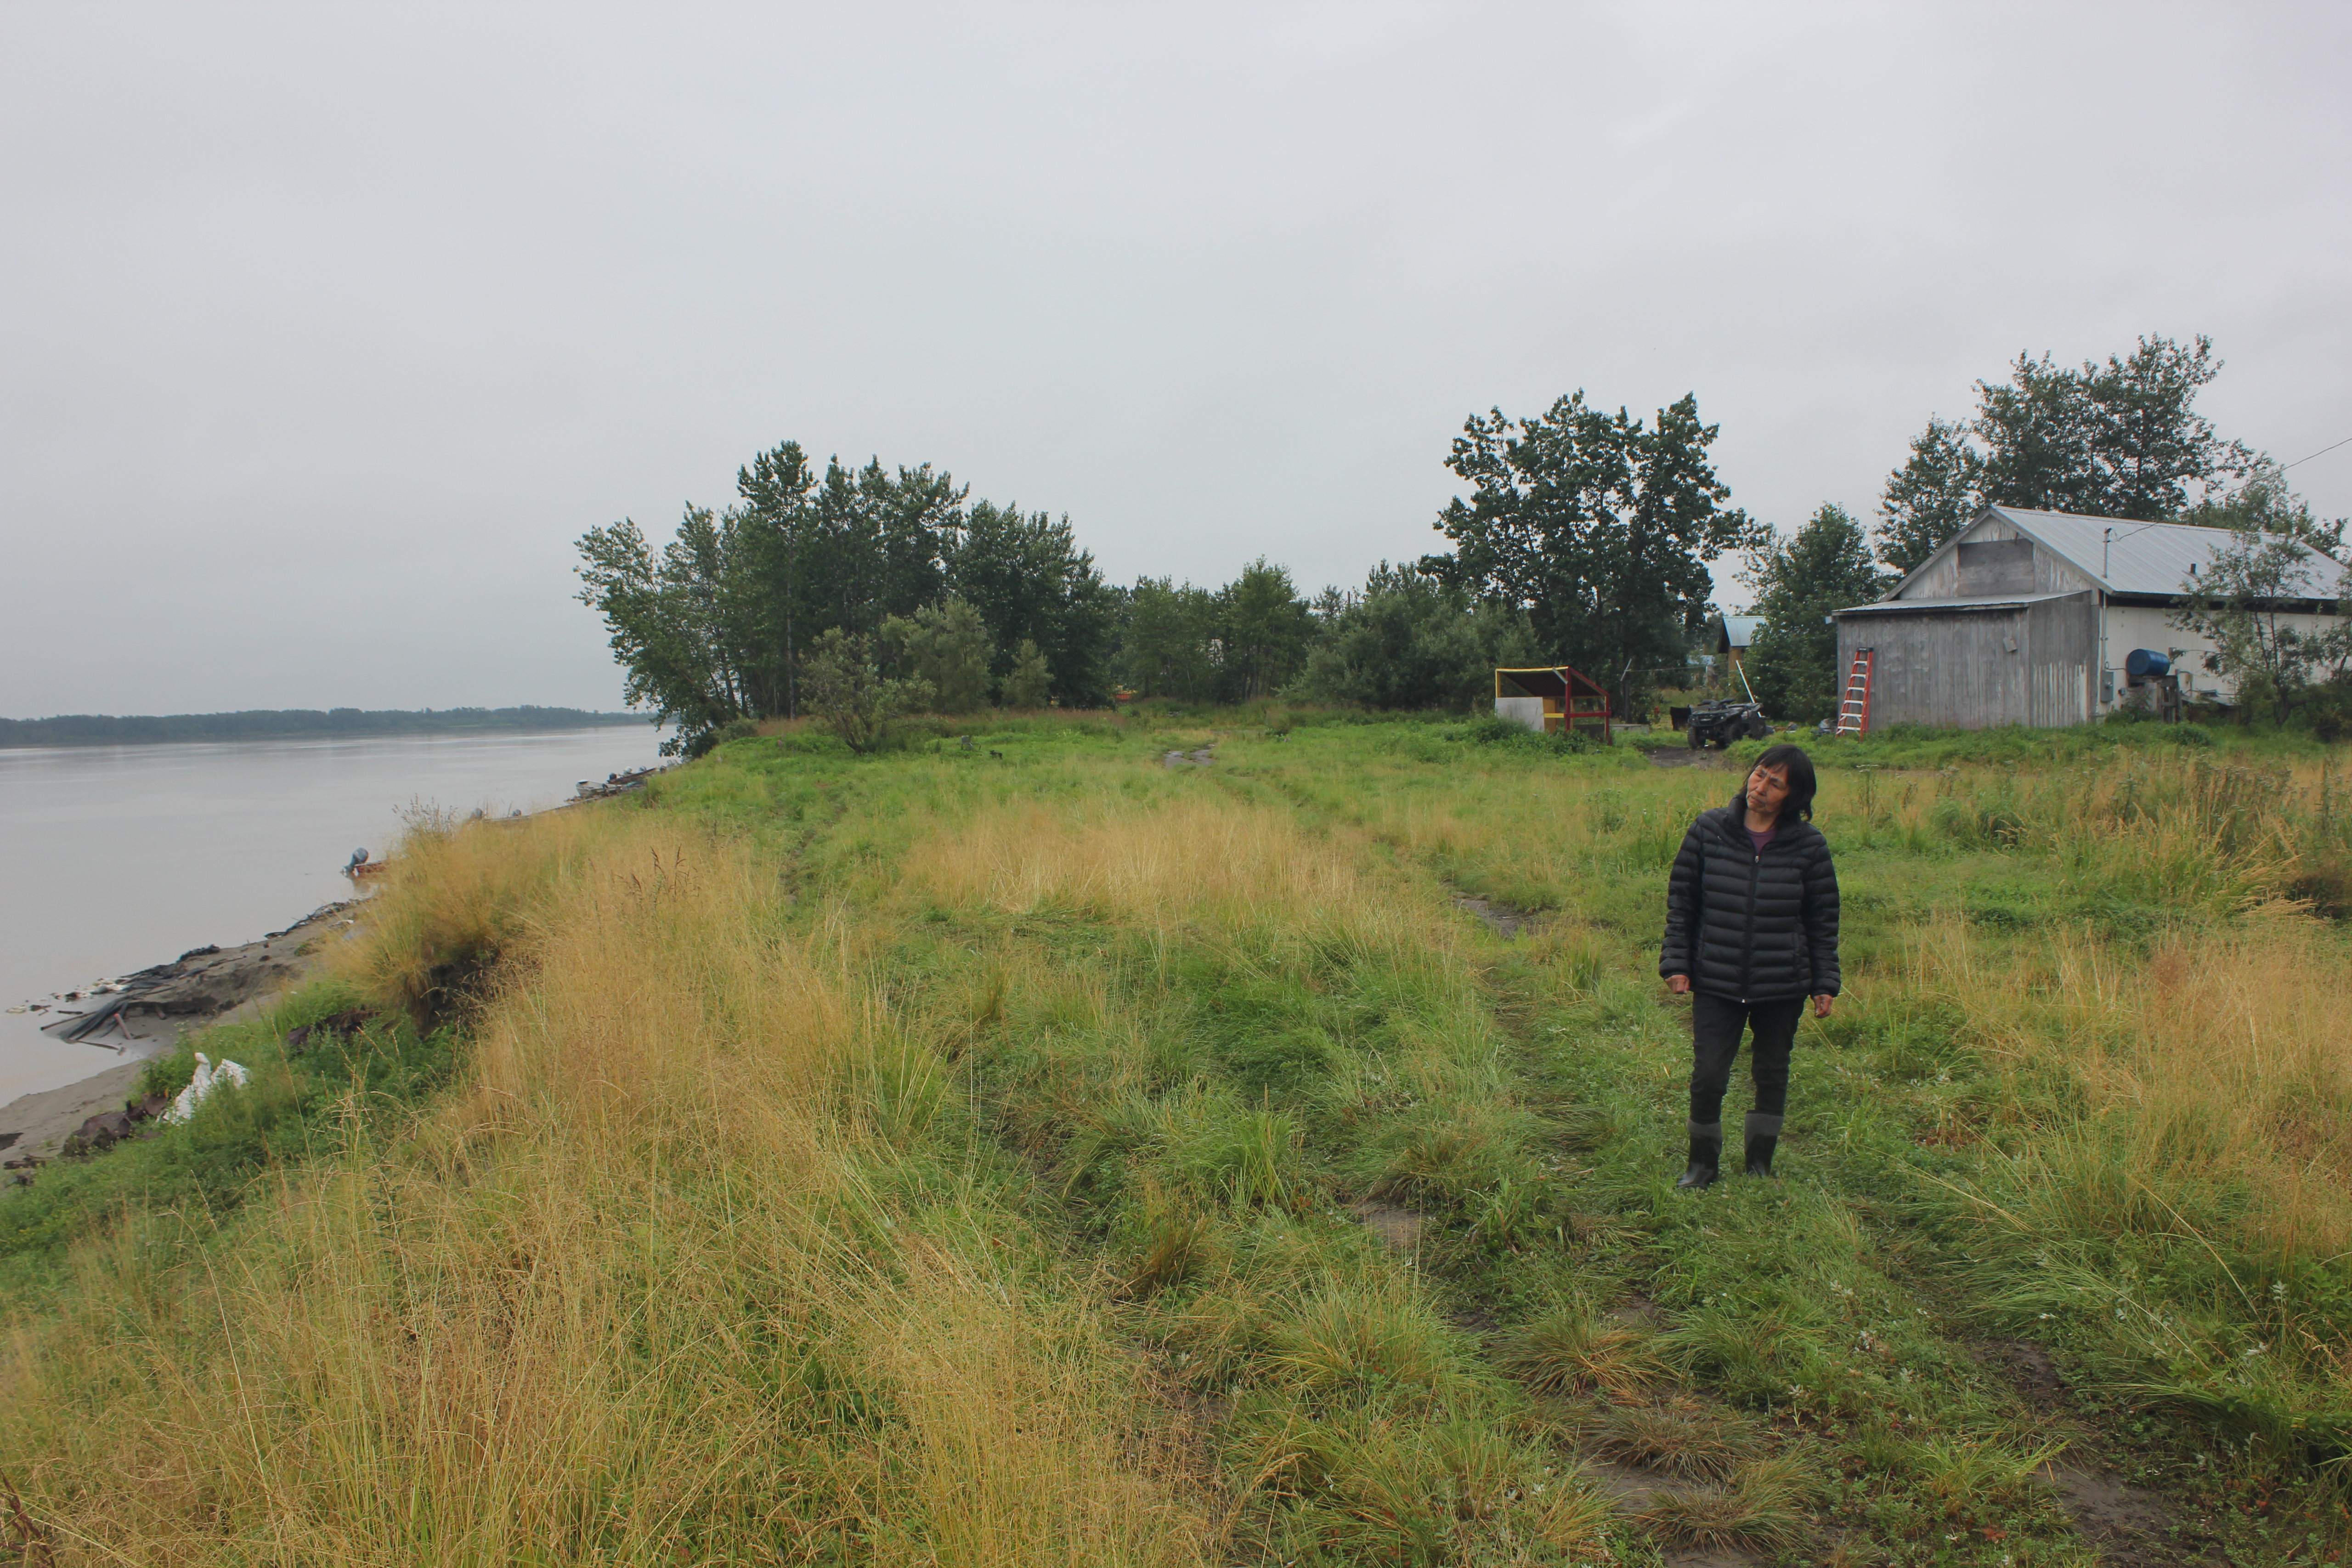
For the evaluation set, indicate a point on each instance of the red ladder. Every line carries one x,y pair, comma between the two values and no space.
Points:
1853,713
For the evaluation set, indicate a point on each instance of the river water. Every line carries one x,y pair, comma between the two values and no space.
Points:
114,858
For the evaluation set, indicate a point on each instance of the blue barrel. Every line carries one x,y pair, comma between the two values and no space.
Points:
2145,663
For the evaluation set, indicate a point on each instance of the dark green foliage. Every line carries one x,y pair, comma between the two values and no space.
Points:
2122,439
1030,682
1599,526
1493,730
840,685
2242,601
713,626
1931,497
716,625
946,646
1792,662
1028,579
132,729
1266,631
1234,644
1170,632
1407,641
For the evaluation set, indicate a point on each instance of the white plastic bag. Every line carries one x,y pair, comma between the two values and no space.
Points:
209,1079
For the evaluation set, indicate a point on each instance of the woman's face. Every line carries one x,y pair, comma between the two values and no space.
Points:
1767,788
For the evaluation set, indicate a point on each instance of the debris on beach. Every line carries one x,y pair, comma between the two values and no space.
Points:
208,1080
98,1133
201,984
614,783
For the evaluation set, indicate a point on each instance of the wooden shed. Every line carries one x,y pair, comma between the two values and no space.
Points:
1553,698
2031,618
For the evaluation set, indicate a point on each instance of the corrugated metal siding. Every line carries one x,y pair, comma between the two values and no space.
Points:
2062,639
2149,557
1951,667
1975,668
2061,696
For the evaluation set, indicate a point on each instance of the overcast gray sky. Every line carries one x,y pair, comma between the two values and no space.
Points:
325,331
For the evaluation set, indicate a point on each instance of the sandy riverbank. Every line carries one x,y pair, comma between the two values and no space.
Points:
200,988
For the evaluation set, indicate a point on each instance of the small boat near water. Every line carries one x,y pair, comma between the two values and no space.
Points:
359,865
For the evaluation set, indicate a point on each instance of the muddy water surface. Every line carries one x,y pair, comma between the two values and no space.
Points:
115,857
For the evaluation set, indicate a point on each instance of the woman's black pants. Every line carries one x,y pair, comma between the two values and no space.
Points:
1717,1023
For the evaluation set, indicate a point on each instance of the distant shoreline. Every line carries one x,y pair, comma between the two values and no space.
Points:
298,724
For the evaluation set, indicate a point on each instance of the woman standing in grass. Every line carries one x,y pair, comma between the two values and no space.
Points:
1751,932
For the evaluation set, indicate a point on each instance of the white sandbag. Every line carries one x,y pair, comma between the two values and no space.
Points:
209,1079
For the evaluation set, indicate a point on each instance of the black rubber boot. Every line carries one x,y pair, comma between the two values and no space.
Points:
1763,1137
1706,1156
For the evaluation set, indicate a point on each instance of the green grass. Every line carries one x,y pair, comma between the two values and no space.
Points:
290,1109
1175,1076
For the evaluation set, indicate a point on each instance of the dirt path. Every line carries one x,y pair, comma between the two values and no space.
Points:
1501,919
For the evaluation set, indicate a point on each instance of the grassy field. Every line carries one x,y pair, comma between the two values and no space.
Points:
1048,1153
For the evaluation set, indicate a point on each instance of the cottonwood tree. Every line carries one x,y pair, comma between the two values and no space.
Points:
1028,579
947,646
2281,563
1030,682
1931,497
1409,641
1598,527
714,624
1793,660
2122,439
1166,650
879,541
774,488
682,625
843,688
1266,628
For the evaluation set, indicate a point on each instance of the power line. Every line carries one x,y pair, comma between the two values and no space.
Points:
2321,453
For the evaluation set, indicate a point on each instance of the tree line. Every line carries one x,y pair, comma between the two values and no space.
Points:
1585,538
1582,536
290,723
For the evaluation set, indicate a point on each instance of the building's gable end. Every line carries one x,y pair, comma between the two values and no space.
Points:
1983,559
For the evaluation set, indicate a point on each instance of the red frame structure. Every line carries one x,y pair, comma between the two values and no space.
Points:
1572,698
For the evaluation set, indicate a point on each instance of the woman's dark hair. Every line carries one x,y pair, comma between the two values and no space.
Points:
1800,779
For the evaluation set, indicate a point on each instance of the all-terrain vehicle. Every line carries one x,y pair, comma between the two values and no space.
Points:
1718,724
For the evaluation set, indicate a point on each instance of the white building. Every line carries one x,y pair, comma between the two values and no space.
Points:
2029,617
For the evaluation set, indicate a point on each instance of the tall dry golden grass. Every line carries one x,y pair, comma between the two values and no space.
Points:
645,1288
2219,1058
1215,865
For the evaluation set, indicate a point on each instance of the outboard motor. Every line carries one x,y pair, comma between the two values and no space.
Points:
358,858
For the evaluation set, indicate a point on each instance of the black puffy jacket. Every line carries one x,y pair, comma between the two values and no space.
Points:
1753,926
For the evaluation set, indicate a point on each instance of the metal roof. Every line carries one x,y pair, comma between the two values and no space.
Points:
1992,602
1739,630
2145,557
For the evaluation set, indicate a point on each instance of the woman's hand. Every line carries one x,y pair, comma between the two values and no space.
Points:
1822,1005
1679,983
